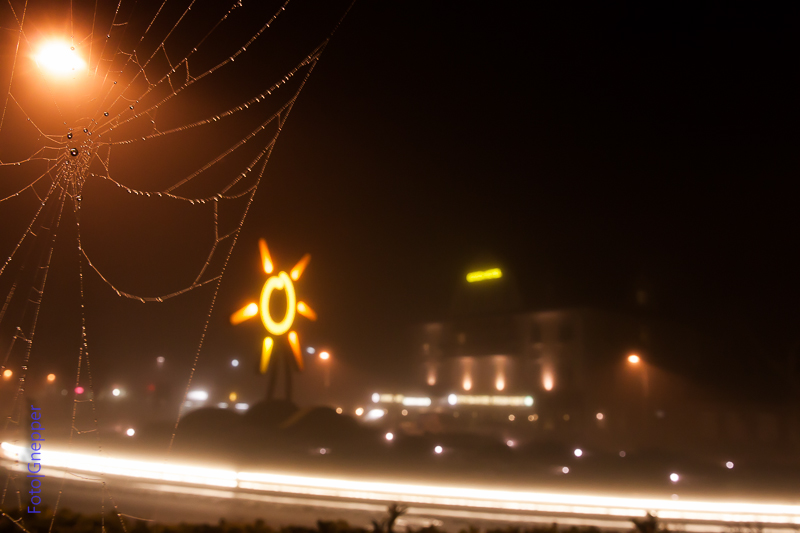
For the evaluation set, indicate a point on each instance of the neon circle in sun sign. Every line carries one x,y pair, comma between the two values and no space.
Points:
280,282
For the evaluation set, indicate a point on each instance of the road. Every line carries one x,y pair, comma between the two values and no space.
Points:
173,493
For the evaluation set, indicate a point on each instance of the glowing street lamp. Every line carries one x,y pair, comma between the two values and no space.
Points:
59,58
634,359
279,282
7,373
51,378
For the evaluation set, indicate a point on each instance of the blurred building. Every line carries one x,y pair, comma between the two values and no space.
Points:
570,375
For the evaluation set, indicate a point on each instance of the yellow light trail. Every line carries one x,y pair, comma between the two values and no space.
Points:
438,495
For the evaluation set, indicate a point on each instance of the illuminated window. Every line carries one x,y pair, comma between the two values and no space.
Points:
548,381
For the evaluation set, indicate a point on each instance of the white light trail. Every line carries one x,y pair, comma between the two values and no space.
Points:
434,495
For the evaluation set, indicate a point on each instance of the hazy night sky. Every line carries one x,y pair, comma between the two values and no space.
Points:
589,150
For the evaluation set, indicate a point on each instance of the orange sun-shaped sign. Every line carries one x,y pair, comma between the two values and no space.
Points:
280,282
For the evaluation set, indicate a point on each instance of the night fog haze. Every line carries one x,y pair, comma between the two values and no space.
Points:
349,266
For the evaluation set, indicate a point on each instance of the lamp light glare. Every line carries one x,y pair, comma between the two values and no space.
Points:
578,452
116,392
390,436
729,465
438,449
59,58
7,373
131,432
79,390
324,356
235,363
674,477
634,359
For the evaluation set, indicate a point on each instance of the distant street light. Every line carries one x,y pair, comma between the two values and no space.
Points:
131,432
674,477
438,449
116,392
578,452
7,373
235,363
634,359
51,378
389,436
323,355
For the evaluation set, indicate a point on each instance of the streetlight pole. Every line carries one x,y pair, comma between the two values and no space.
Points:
325,357
635,361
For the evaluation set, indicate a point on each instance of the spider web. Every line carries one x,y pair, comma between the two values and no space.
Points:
152,117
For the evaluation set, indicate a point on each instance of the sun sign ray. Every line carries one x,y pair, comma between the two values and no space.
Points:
248,311
266,351
306,311
297,271
294,342
266,260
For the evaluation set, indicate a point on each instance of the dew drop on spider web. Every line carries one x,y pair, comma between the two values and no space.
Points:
73,152
69,136
85,130
105,113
